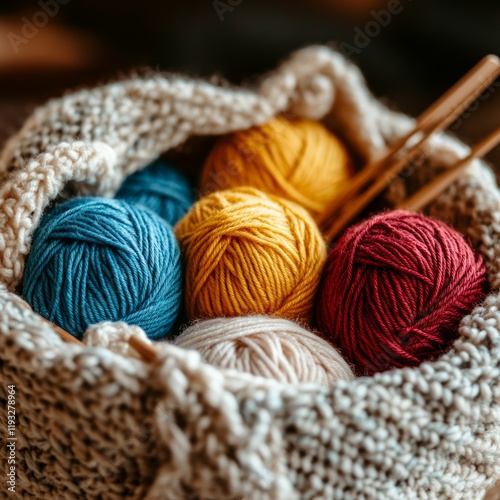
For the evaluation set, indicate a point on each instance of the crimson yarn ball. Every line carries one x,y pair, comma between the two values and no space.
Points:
395,288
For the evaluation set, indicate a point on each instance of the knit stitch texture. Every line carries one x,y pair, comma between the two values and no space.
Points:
95,423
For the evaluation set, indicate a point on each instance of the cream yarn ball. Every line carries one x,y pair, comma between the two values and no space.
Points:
266,346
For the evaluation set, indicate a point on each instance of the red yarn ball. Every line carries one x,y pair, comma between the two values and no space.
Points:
395,289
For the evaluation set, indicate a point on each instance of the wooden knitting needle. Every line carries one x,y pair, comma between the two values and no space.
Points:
441,182
63,334
145,350
471,85
67,337
442,113
468,85
438,117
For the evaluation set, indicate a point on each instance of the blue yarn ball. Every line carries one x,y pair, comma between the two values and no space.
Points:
94,260
160,188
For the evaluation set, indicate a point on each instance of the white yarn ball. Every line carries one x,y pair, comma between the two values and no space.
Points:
266,346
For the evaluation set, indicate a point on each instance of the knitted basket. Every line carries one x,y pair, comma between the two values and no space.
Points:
95,422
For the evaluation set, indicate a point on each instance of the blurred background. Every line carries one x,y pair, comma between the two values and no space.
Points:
409,50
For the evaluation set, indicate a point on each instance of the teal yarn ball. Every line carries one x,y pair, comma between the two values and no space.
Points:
160,188
94,259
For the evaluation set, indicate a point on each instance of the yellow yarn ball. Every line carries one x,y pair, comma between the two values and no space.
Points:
299,160
249,252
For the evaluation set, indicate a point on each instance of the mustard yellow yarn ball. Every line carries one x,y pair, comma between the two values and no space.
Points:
299,160
250,252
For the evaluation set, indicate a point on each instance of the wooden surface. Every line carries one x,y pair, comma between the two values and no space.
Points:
494,494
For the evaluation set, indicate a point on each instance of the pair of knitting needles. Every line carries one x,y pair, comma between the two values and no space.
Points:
366,185
372,180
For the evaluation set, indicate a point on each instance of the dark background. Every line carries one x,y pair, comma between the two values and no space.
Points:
421,51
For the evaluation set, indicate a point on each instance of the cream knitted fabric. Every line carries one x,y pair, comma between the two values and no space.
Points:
94,423
114,336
